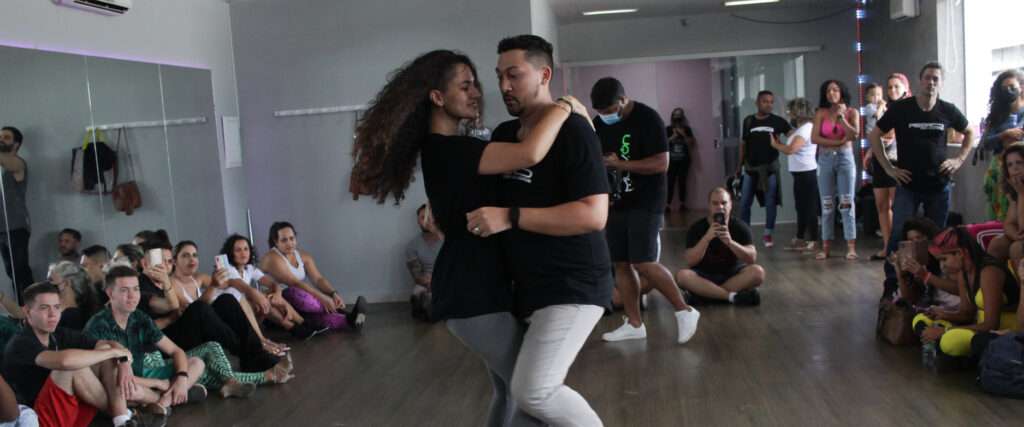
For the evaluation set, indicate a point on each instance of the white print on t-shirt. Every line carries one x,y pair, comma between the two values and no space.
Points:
524,175
927,126
627,179
768,129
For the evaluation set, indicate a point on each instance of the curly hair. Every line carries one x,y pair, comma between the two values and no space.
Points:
800,109
844,94
1004,169
997,111
229,249
391,132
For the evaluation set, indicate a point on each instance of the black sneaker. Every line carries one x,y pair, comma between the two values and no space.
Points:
302,331
357,316
747,297
416,307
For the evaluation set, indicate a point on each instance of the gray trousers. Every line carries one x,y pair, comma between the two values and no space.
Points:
496,339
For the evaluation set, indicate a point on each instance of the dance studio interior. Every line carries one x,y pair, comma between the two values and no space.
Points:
511,212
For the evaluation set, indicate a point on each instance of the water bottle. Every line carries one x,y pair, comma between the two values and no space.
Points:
929,352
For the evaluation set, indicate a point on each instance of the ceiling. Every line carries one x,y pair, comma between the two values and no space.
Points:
570,11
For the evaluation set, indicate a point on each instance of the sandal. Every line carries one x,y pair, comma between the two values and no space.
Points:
280,373
821,255
852,256
275,349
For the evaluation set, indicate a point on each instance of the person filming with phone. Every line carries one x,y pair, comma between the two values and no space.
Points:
721,256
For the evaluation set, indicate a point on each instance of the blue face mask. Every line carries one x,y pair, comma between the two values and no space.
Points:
610,119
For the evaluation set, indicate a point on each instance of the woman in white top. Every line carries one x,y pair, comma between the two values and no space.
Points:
305,288
243,274
803,165
221,293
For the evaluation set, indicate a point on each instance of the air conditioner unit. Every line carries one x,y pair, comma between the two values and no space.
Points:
105,7
900,10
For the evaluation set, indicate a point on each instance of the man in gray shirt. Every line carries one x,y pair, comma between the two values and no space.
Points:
14,219
419,258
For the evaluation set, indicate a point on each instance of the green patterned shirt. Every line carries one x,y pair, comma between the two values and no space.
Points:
140,336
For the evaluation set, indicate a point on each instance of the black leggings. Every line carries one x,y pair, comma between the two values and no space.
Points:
225,323
677,172
16,259
805,191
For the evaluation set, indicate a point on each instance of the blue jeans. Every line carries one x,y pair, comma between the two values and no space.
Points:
904,207
837,178
771,206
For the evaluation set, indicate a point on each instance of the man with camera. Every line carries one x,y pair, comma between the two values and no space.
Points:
721,256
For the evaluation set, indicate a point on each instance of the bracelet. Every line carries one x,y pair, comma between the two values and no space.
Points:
566,101
181,374
513,217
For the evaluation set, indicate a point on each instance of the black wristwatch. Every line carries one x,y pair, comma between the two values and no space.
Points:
181,374
513,217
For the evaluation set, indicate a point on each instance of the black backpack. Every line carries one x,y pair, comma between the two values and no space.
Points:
1001,369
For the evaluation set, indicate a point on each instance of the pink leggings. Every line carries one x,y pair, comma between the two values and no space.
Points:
310,308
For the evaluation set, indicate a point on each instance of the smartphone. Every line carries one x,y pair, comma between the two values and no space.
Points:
156,256
221,261
719,217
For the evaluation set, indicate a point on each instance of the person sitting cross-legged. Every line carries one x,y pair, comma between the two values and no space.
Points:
721,256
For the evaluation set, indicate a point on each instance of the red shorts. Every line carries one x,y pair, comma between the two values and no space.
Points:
55,407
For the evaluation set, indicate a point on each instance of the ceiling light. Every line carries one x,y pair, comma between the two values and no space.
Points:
748,2
609,12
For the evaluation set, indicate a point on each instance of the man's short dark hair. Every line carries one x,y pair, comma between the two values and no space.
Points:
30,293
74,233
606,92
763,93
96,250
538,50
117,272
931,65
134,253
18,137
149,245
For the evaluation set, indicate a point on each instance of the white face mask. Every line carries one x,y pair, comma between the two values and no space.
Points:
610,119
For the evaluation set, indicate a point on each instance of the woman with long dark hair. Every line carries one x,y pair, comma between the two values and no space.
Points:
415,117
988,294
1010,245
897,87
680,152
1002,128
835,128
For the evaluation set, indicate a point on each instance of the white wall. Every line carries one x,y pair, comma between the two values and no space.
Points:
193,33
544,23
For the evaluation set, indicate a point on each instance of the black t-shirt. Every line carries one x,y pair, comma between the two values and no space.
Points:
718,259
921,140
637,137
20,369
678,150
550,270
148,291
469,277
757,138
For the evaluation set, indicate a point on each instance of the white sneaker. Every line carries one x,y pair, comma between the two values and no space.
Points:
626,332
687,322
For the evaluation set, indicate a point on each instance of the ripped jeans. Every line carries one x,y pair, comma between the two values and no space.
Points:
836,180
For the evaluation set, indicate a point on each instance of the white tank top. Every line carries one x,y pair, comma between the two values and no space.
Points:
198,291
300,271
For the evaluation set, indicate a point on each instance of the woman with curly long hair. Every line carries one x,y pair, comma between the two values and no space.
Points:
835,128
1002,128
415,117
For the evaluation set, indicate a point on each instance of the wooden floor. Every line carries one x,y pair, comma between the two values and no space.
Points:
806,356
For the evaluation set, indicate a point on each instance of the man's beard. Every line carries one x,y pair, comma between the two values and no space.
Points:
4,148
519,104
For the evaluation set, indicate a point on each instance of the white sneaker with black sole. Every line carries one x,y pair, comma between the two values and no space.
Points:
626,332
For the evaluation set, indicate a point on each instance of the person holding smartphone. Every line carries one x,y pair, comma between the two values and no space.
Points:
721,256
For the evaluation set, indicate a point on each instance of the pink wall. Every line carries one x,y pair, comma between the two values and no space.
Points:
664,86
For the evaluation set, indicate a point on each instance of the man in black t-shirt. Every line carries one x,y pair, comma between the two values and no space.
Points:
721,257
64,375
551,231
633,143
923,124
759,162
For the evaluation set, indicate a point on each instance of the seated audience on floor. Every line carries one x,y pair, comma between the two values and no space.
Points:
77,296
248,282
68,242
721,256
989,294
149,236
129,253
192,323
1003,127
11,413
64,375
420,254
922,285
121,322
1011,244
980,341
196,287
299,281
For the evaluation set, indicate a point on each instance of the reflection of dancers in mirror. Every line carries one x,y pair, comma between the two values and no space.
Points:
416,115
14,236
